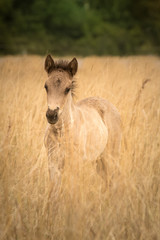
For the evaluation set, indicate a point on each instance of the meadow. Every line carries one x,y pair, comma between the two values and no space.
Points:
129,208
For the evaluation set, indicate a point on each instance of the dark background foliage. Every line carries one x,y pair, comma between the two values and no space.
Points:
81,27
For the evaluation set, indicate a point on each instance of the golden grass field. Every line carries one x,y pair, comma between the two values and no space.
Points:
129,209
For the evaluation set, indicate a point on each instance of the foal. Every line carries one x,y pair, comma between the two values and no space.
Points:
92,126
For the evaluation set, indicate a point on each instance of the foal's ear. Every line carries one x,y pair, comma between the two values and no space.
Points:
73,66
49,64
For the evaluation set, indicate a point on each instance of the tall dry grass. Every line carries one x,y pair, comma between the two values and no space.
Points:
130,207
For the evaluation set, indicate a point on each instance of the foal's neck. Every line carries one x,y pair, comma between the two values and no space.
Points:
66,118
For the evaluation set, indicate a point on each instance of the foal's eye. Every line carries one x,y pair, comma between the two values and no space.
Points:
46,87
67,90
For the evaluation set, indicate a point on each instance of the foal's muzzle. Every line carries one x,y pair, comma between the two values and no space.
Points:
52,115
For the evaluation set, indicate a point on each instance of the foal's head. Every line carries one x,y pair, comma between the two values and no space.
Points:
59,85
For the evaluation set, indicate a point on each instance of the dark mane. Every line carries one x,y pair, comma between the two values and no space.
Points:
61,64
74,86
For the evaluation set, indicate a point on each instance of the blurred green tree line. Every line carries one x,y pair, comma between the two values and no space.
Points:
81,27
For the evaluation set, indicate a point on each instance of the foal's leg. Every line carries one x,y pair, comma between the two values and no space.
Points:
101,167
107,163
55,167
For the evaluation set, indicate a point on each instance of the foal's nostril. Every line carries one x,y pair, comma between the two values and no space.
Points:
55,116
